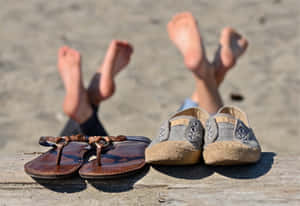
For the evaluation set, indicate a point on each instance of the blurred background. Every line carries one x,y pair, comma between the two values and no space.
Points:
265,82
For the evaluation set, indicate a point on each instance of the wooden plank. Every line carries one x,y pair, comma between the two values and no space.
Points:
274,180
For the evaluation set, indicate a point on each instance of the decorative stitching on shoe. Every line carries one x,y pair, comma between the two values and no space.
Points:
211,131
194,133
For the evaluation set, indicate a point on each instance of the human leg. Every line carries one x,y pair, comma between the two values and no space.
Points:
91,127
232,46
184,33
117,57
83,118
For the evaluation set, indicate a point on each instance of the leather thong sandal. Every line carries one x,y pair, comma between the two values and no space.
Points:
115,157
63,160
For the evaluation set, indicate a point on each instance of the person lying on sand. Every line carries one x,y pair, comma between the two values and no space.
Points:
81,104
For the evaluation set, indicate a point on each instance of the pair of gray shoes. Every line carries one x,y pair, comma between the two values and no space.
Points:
222,139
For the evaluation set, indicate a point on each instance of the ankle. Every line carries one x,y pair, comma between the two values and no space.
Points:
78,112
219,78
193,61
205,75
204,85
207,95
208,82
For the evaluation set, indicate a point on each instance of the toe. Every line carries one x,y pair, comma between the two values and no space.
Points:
114,43
62,51
227,57
68,52
182,15
124,43
77,55
129,48
243,43
169,27
183,18
72,52
226,36
228,31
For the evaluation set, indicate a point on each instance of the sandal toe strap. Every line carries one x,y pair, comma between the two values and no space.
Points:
60,143
102,142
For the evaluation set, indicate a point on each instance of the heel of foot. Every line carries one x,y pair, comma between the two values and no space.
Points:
78,110
107,90
193,61
228,59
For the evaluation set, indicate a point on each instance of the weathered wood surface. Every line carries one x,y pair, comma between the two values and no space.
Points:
273,181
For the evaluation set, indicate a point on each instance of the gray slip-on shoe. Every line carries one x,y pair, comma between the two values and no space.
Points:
180,139
229,140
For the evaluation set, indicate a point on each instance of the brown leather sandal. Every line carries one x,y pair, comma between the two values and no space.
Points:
115,157
63,160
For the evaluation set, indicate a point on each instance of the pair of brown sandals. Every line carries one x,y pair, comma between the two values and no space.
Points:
115,157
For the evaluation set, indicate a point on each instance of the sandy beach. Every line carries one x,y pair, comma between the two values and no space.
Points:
156,82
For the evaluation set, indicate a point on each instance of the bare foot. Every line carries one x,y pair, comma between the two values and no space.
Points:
76,103
232,46
117,57
183,31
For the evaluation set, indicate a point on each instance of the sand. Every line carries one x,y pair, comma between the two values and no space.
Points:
156,81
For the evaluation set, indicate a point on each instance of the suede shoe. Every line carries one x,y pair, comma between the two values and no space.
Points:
229,140
180,139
